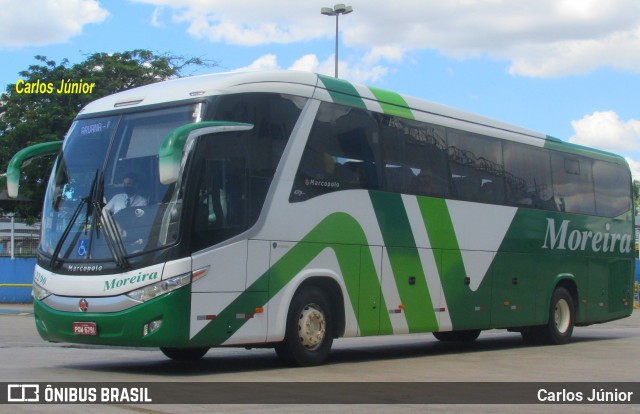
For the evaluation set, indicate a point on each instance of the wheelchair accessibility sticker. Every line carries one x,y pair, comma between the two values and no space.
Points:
82,248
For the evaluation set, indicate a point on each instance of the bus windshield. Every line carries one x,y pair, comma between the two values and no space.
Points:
107,174
106,201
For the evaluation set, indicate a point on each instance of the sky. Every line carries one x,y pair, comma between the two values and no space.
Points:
566,68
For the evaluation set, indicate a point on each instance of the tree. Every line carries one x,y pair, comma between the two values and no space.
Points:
31,118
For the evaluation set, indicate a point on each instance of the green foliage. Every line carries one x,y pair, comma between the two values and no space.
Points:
31,118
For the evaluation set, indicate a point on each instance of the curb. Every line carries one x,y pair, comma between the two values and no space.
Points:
20,310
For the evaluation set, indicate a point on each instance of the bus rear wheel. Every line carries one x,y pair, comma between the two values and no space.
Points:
458,336
561,318
561,321
309,329
185,354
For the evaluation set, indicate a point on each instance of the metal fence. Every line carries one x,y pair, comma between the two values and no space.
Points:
17,238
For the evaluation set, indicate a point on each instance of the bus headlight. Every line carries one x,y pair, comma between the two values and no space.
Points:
157,289
39,292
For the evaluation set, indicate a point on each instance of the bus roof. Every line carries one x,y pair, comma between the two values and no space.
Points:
329,89
204,85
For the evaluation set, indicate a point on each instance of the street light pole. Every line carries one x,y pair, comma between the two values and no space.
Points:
337,59
337,10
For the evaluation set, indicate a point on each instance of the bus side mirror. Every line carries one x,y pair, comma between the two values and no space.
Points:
23,158
179,141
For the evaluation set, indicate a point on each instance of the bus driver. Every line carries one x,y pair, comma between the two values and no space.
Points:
128,198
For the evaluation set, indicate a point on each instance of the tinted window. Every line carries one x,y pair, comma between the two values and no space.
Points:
572,183
424,159
612,184
340,153
528,176
415,157
477,171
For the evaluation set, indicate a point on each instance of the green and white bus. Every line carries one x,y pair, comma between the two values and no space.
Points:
286,209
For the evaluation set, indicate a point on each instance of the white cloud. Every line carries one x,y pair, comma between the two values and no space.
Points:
156,18
266,62
635,168
579,56
605,130
389,53
542,38
247,22
42,22
310,63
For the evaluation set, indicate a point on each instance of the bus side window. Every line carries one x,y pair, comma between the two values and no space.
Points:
341,153
415,157
400,179
528,176
477,167
611,183
573,183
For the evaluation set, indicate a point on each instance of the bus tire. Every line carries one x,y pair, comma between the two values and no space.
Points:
559,328
185,354
309,330
458,336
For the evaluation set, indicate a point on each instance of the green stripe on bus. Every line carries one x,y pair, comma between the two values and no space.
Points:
442,235
438,223
348,237
392,103
405,261
342,92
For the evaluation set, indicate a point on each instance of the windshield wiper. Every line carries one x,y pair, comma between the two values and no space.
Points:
102,217
114,241
85,200
65,234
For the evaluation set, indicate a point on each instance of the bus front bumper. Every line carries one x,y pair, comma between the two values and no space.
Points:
163,321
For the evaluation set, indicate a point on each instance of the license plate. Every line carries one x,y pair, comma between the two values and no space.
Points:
85,328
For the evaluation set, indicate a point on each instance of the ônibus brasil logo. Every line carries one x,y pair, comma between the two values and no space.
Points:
564,238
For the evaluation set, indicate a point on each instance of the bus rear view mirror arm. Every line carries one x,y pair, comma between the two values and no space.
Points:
22,158
173,146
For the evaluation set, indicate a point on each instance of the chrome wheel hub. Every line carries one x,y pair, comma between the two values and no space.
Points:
311,327
562,316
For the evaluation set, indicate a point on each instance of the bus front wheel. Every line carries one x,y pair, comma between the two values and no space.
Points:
309,329
185,354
